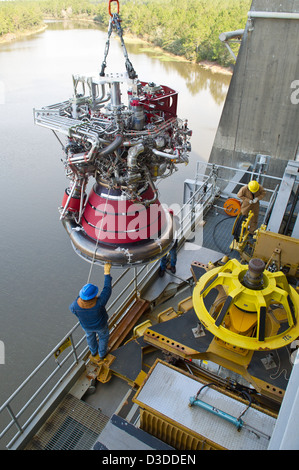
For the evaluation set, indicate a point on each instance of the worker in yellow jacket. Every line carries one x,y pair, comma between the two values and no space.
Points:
250,195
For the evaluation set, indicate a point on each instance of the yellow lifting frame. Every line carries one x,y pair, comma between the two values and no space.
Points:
276,289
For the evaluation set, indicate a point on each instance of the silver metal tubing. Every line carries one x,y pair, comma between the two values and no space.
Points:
168,156
133,155
131,143
152,132
231,35
69,198
273,15
84,157
154,189
249,172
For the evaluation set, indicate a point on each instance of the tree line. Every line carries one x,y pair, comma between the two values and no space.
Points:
19,16
186,28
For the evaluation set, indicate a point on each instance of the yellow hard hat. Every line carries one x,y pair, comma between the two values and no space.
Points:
253,186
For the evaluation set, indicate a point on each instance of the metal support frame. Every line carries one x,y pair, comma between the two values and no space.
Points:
277,15
231,37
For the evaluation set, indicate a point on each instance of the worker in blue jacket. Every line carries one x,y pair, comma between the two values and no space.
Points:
92,315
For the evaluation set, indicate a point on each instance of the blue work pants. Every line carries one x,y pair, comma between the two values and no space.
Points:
95,346
173,258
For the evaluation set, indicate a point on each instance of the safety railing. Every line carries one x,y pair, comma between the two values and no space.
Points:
61,369
228,178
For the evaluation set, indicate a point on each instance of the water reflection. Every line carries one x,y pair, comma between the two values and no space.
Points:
197,78
62,25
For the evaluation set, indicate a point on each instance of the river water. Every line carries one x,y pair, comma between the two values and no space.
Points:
40,273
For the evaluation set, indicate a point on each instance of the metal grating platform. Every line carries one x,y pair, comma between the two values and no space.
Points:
74,425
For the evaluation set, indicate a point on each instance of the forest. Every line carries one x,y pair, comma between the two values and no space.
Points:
186,28
19,16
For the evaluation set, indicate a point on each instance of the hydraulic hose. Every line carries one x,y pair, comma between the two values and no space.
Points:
111,147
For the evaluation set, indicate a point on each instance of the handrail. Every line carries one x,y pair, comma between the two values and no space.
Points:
249,172
7,405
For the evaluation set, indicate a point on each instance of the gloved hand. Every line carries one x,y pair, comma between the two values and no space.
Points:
107,268
255,200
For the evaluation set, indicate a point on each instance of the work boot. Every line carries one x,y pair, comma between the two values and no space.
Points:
95,358
171,268
161,272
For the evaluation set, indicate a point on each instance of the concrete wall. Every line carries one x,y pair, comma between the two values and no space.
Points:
261,112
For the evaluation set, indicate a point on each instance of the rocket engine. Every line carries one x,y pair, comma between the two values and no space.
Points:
125,148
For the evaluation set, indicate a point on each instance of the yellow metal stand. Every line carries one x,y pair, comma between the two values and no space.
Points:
236,327
103,371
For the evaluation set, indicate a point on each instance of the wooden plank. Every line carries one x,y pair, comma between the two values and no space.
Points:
127,323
